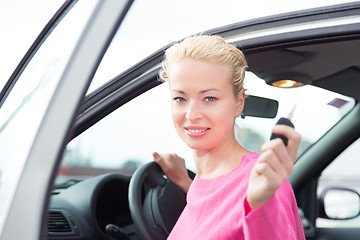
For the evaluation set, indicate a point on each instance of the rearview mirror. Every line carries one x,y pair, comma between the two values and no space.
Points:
260,107
339,204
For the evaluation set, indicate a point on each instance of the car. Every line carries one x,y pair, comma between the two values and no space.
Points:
84,110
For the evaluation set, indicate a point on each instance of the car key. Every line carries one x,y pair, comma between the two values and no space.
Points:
282,121
287,122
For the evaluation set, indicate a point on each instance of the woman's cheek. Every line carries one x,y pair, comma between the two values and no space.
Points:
177,116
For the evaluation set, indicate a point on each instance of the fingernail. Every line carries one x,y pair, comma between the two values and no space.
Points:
156,155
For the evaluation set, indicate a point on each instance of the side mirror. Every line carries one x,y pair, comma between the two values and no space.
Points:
339,204
260,107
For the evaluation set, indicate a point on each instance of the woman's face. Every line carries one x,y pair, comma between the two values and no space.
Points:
203,103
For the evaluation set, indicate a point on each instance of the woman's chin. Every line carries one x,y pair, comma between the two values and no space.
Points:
198,146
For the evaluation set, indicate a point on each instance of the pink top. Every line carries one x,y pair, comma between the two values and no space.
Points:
217,209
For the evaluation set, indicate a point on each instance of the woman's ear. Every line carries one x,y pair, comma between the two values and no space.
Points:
240,101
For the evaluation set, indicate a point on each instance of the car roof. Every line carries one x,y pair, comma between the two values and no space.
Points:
334,66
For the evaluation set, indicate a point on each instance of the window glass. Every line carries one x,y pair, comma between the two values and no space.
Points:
125,139
27,102
343,172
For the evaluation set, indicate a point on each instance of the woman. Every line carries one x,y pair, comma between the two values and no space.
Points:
236,194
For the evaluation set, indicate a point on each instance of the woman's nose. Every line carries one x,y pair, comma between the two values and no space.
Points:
193,112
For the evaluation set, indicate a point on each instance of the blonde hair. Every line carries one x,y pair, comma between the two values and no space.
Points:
212,49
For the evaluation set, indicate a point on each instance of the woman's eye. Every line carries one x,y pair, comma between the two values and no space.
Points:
210,99
179,99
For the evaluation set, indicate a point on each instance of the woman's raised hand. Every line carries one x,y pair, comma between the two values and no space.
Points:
174,168
273,166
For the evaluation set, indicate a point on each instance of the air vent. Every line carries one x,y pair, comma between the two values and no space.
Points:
61,224
57,223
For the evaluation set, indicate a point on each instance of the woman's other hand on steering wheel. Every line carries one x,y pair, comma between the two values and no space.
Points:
174,168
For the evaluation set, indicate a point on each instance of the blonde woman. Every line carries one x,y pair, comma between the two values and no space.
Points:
236,194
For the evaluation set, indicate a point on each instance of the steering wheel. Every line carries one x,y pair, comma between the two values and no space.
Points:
155,202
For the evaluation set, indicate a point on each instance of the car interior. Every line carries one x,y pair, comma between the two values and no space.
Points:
135,201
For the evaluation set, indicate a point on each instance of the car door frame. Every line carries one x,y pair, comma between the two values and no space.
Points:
28,221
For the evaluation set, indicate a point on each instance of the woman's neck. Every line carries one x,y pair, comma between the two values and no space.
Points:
219,160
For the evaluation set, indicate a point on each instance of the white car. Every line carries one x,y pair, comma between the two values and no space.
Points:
69,150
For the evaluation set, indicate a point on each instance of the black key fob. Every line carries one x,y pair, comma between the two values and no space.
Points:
282,121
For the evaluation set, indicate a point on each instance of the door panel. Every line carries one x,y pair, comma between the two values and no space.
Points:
337,233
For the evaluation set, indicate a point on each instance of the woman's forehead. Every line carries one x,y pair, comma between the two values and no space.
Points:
190,71
198,67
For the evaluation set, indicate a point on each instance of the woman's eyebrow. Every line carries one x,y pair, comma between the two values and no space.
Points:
201,91
177,91
208,90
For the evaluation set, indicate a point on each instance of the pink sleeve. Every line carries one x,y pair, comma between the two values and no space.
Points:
277,219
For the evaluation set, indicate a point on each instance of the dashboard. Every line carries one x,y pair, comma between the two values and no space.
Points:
83,210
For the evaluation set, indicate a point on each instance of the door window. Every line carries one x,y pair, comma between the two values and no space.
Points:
343,172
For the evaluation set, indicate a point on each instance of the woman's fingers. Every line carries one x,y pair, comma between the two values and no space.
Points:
292,136
273,166
262,185
271,160
276,153
175,169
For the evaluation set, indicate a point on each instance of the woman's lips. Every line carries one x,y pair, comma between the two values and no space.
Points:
196,131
